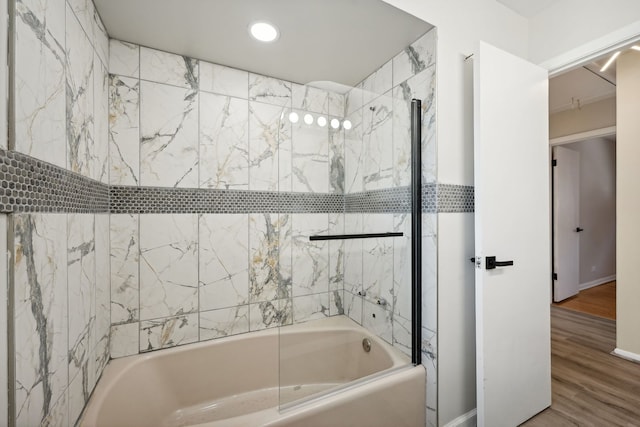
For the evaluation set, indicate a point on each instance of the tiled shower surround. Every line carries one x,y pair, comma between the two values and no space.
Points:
61,313
149,271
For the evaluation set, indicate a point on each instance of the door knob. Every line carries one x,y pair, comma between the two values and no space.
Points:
579,229
491,263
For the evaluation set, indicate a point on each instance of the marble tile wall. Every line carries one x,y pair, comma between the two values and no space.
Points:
179,122
61,261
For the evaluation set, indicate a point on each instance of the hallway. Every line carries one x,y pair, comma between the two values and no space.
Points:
590,387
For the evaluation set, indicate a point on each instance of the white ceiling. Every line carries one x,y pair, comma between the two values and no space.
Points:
528,8
578,88
320,40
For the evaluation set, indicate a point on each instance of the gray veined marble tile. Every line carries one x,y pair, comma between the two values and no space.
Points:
125,259
336,160
224,80
84,10
224,142
378,83
99,169
40,84
402,334
269,90
266,281
81,262
168,332
78,395
430,362
353,254
336,252
124,131
378,320
100,340
377,134
353,100
422,86
124,339
429,278
336,302
310,99
169,136
402,266
58,413
310,157
270,314
337,104
81,155
310,307
168,68
310,272
223,260
415,58
41,310
168,265
354,152
377,261
224,322
100,39
353,306
270,140
124,58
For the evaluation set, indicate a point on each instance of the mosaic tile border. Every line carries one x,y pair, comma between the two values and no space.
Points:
31,185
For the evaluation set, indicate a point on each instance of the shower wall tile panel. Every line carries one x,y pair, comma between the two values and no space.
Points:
224,80
377,260
377,134
310,158
269,90
40,83
336,160
124,58
310,99
268,133
124,130
168,265
168,135
223,261
125,258
224,142
224,322
310,264
168,332
162,67
415,58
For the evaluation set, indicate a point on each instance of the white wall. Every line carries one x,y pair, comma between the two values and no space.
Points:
460,25
580,27
597,209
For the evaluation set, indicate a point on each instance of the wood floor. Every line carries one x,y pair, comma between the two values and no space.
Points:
599,301
590,387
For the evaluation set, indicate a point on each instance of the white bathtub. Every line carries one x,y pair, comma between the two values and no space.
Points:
235,381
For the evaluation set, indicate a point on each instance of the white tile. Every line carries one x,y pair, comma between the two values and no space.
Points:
269,90
125,339
377,320
310,307
84,11
430,362
40,278
402,334
377,134
377,261
124,131
353,254
125,263
354,152
337,104
310,157
224,322
124,58
103,284
310,99
264,255
270,314
168,265
168,332
224,260
40,85
224,80
336,160
353,100
162,67
377,83
224,142
353,305
100,39
415,58
336,252
169,136
269,141
402,266
336,302
310,272
99,168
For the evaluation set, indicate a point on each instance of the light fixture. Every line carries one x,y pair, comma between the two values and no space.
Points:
322,122
609,62
308,119
346,124
335,123
634,47
293,117
263,31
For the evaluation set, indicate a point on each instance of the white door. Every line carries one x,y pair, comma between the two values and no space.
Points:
512,223
566,223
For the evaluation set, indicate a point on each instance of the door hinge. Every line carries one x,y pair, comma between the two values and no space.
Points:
554,162
555,276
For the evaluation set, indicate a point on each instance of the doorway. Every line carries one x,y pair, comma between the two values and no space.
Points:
584,189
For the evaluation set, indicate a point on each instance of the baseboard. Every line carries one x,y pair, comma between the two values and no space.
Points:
633,357
597,282
464,420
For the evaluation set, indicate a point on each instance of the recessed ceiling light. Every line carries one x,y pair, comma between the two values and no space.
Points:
263,31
